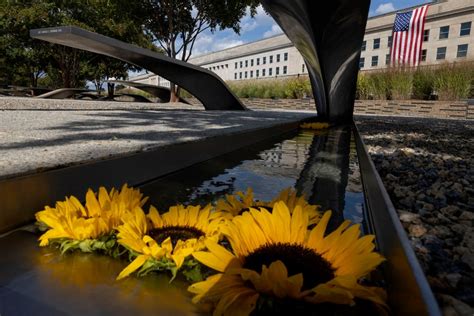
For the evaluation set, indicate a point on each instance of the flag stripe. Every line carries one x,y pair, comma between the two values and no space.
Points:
413,34
422,32
407,37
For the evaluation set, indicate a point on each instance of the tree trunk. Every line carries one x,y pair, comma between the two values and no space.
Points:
173,93
110,90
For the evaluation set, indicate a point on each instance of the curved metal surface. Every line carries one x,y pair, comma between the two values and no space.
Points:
159,92
202,83
62,93
329,37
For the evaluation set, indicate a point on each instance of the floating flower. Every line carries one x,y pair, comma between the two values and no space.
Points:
236,204
88,227
274,256
315,125
292,200
165,241
240,202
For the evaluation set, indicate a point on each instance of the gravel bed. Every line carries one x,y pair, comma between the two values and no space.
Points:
427,166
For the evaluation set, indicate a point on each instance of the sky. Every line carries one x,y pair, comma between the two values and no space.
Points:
262,26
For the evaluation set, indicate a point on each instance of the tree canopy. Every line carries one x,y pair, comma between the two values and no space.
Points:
171,26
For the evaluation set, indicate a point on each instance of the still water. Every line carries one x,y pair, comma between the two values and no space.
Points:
322,165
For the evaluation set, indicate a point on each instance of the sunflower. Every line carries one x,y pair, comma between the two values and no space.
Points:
237,203
273,255
291,200
74,225
315,125
234,205
163,242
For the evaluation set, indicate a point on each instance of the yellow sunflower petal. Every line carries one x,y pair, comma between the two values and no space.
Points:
218,258
133,266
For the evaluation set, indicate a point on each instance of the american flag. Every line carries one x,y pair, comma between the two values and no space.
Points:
407,37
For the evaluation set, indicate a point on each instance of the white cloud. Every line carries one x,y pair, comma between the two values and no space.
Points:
202,44
206,43
260,19
273,31
226,43
385,8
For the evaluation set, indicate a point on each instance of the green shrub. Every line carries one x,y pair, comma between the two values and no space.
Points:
400,84
363,90
379,85
453,82
423,83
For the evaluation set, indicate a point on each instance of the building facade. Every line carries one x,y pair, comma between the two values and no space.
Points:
448,37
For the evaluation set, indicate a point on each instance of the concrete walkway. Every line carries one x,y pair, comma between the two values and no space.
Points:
42,134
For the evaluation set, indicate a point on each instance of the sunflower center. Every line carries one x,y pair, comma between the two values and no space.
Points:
175,233
297,259
256,207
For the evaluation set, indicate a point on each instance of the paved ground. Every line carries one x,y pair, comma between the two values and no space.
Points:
37,134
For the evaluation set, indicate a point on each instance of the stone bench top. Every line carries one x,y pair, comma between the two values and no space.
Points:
38,134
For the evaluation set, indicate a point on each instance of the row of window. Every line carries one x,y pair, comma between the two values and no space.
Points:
219,67
443,34
440,55
245,63
257,73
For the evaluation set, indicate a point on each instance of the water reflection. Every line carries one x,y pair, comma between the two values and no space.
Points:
318,164
323,179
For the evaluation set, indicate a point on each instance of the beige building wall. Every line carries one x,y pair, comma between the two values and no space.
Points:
244,61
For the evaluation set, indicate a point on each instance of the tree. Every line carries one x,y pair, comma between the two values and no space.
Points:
25,57
176,24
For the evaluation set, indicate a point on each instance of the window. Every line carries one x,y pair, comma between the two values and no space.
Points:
376,43
387,59
263,72
251,62
285,56
390,40
423,55
444,32
258,61
269,71
426,35
462,50
235,76
277,71
302,68
375,61
285,70
364,45
270,59
235,65
264,61
441,53
251,73
256,73
465,29
245,75
240,64
361,62
240,75
246,63
278,58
